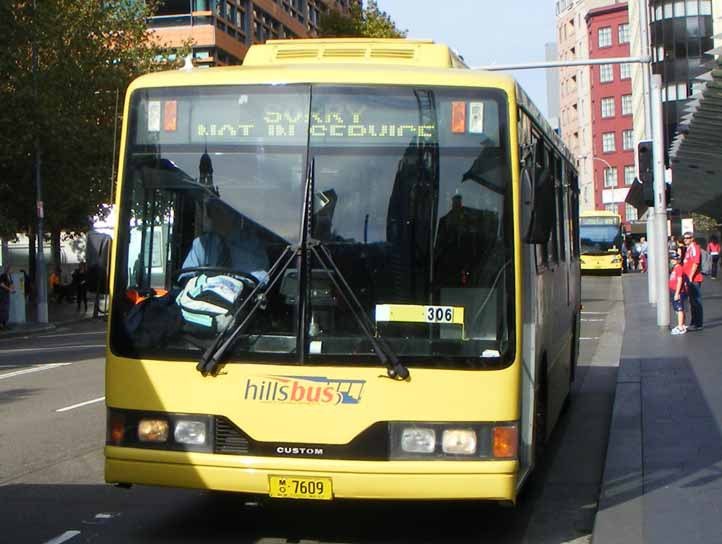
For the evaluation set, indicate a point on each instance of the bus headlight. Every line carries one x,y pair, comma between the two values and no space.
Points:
459,441
153,430
190,432
616,259
418,440
453,441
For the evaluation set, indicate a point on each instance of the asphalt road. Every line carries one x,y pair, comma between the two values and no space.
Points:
52,418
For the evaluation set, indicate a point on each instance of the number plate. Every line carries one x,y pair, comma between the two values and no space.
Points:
295,487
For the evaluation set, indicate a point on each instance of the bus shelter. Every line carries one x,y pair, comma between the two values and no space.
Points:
696,153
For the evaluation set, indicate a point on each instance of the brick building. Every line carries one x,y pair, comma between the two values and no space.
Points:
613,141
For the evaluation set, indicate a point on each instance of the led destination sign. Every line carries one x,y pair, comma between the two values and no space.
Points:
288,116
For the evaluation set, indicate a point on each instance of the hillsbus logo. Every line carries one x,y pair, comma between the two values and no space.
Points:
304,390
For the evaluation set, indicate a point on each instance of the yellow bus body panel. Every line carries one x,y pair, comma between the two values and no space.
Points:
600,263
430,395
433,395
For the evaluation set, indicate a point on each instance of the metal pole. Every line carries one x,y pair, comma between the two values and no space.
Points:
115,140
660,205
647,97
41,284
563,64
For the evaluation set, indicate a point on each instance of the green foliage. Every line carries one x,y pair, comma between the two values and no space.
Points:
369,22
87,53
703,223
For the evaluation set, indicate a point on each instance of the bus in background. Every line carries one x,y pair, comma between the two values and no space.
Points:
601,239
346,269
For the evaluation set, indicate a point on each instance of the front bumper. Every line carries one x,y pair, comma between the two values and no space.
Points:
402,480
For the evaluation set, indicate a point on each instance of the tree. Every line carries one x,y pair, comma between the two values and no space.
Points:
368,22
87,53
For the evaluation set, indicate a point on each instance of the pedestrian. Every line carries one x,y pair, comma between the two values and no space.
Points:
671,245
681,248
713,248
6,289
80,277
692,265
677,292
643,253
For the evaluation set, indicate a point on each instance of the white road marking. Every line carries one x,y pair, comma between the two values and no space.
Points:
67,535
589,338
595,313
70,334
593,320
53,348
80,404
30,370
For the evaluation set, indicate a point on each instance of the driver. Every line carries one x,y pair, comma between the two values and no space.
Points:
228,244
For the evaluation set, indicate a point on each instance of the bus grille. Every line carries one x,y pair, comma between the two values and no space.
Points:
228,438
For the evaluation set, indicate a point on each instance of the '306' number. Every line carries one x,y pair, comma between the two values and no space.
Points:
439,314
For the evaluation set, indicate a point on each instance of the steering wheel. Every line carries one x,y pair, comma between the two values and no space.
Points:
249,279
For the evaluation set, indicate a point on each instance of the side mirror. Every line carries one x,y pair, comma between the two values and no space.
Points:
527,203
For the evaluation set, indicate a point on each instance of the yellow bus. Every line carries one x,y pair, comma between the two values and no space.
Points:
601,241
346,269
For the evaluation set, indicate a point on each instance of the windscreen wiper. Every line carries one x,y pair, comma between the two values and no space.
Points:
259,296
395,369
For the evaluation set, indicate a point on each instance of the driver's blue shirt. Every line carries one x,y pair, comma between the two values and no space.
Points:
240,253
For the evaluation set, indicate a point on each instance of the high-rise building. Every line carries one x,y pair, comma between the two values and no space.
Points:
223,30
575,115
613,143
680,34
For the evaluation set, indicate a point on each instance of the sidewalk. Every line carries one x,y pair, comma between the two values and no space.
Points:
58,314
663,475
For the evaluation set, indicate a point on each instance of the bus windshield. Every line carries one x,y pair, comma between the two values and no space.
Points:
600,238
412,200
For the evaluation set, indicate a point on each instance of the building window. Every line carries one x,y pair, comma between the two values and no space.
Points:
669,10
610,177
692,7
608,142
624,33
630,213
625,71
629,175
607,108
606,73
627,104
705,7
679,8
627,140
611,208
605,37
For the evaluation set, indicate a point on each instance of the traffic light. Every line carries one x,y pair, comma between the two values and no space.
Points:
645,159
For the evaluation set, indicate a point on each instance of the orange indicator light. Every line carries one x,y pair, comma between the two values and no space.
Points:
505,442
458,117
170,109
117,428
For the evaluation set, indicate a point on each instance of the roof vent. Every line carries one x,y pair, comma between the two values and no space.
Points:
290,54
343,53
388,53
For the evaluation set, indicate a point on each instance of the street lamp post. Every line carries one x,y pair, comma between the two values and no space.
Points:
609,166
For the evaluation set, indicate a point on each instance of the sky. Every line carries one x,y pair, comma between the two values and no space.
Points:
485,32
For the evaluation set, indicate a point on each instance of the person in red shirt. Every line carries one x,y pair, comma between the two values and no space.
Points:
677,292
692,264
713,250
